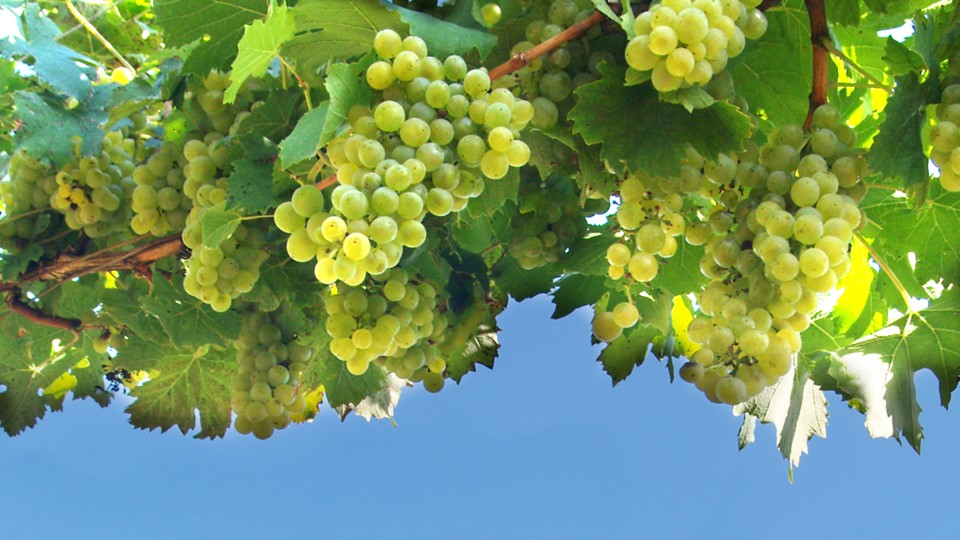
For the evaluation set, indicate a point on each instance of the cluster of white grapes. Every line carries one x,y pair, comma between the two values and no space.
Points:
265,393
778,236
159,204
945,138
609,325
217,274
551,79
549,220
28,190
682,43
94,193
426,148
394,320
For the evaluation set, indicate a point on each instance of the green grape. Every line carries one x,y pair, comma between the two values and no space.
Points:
605,327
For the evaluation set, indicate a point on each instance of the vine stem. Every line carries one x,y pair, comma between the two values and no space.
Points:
327,182
36,316
819,36
520,60
887,270
96,33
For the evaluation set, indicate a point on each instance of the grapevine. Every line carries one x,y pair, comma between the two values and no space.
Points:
289,215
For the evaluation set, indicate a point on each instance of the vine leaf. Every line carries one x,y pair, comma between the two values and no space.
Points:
250,186
336,29
926,339
343,389
639,132
575,291
48,129
184,381
28,364
218,224
444,38
796,406
496,194
304,141
217,24
929,231
346,87
187,321
259,45
900,133
623,354
382,403
773,74
54,64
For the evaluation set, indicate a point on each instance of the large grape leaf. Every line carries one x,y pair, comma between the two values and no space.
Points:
897,150
250,186
217,224
48,130
345,85
629,350
773,73
217,23
28,364
929,231
342,388
681,273
184,381
495,195
862,381
187,321
445,38
575,291
796,406
336,29
54,64
274,118
259,45
304,141
926,339
641,133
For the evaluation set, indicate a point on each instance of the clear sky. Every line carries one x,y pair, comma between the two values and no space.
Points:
540,447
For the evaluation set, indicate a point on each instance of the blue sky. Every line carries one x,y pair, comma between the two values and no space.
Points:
540,447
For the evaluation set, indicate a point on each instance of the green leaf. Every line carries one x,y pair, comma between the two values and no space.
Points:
900,59
14,264
123,307
627,351
250,186
577,290
187,321
444,38
336,29
55,65
897,151
259,45
274,118
589,255
929,231
495,195
862,381
185,382
927,339
796,406
381,403
27,365
522,284
845,12
476,235
340,386
48,129
773,73
473,341
218,23
217,224
304,141
681,273
641,133
347,87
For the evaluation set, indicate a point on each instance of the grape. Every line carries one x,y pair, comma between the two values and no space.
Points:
490,14
625,314
387,43
605,328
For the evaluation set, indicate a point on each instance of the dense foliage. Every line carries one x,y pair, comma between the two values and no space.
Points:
238,212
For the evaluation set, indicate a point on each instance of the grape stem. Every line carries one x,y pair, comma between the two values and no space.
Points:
819,35
99,37
520,60
327,182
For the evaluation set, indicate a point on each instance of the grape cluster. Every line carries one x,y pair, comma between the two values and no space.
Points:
30,186
945,138
778,236
265,393
394,320
551,79
682,43
425,148
94,193
159,205
548,221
